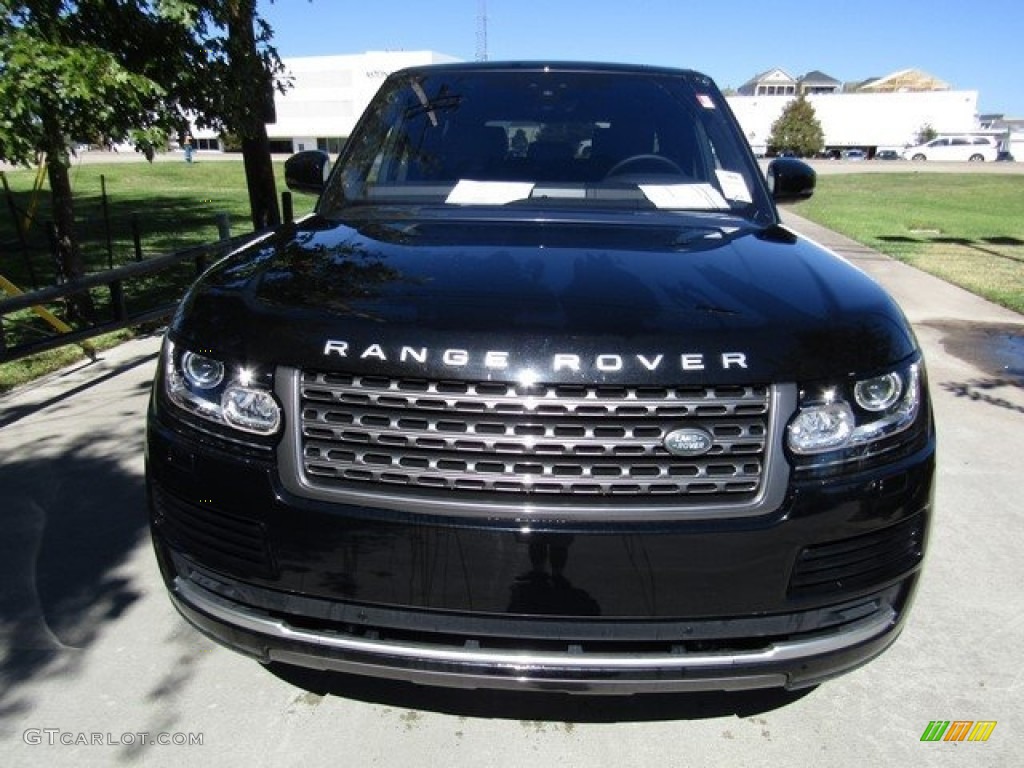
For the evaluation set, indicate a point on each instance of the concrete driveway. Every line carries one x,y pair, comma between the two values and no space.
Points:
97,669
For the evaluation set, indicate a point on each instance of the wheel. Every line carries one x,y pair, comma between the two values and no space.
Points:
919,157
976,159
622,167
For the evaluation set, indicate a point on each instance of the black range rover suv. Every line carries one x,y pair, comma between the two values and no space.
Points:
544,396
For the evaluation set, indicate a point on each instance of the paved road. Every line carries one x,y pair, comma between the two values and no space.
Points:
93,652
830,167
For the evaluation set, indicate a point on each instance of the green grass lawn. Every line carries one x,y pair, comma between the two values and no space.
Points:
173,204
168,205
965,228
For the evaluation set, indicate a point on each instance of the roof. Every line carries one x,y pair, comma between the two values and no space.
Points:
553,66
905,80
775,74
817,77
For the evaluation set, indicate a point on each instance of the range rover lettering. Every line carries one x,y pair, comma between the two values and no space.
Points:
543,395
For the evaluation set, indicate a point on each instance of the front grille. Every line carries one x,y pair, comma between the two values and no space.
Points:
505,439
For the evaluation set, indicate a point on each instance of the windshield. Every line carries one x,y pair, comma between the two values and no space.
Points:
610,139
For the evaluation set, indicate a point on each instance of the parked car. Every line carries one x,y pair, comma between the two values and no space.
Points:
975,149
855,154
553,420
887,154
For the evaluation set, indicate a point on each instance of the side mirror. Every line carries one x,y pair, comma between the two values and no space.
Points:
790,180
307,171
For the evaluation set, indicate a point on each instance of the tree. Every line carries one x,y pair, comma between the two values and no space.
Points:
230,87
110,72
797,129
80,71
925,134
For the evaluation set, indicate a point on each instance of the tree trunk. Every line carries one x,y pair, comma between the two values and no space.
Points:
259,177
252,130
69,253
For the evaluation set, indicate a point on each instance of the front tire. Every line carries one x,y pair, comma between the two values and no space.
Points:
918,158
976,159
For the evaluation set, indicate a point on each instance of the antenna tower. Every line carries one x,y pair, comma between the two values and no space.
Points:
481,31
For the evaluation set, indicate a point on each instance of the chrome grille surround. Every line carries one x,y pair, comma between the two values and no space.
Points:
506,449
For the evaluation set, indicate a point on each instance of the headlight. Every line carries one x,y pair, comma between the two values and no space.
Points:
880,393
200,371
841,417
234,396
821,427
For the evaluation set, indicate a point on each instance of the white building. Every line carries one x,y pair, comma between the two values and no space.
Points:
325,96
773,82
865,120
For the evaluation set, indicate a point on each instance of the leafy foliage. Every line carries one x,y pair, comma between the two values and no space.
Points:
798,129
925,134
81,70
228,79
105,72
82,73
229,85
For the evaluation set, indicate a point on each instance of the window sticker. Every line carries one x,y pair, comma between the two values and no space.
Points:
705,101
734,186
700,197
468,192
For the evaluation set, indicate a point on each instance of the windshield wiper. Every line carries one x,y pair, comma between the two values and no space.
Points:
426,105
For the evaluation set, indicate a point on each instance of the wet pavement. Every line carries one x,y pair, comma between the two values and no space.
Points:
995,348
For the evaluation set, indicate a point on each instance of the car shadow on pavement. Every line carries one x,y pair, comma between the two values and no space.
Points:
71,515
536,706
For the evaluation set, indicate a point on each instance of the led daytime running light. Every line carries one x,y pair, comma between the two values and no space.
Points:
202,386
890,404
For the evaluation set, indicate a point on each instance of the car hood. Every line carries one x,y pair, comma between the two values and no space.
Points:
650,298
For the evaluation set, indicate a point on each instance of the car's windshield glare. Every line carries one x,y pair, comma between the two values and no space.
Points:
572,138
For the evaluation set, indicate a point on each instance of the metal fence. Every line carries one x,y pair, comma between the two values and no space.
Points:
107,288
117,314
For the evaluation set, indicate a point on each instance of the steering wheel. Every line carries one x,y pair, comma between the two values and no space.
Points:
654,163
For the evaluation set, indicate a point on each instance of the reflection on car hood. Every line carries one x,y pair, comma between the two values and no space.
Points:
534,287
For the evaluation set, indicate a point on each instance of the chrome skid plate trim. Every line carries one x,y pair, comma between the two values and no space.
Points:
532,662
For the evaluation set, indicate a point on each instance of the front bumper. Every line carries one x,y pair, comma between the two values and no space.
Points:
815,589
796,663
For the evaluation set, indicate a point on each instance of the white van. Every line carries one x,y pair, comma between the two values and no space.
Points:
976,149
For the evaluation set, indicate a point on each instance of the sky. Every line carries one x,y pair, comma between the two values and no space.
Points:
973,46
